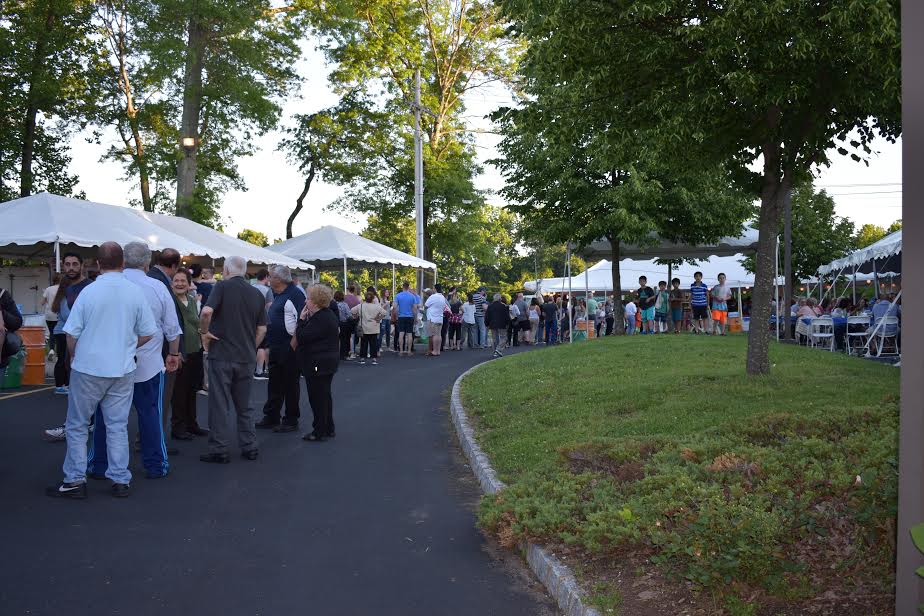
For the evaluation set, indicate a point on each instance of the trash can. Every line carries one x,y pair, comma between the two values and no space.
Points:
12,378
33,341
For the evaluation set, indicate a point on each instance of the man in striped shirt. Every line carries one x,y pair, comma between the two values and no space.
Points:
699,303
480,301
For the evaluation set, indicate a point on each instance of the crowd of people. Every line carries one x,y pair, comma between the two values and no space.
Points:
151,335
803,310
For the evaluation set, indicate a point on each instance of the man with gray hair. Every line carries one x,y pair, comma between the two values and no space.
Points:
149,377
282,317
232,324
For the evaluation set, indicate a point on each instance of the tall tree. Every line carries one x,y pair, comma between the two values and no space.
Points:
458,45
819,236
777,83
237,62
341,145
573,180
869,234
45,49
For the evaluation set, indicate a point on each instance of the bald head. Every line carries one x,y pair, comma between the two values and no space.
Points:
110,257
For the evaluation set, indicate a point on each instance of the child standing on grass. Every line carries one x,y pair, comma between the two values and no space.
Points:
676,302
630,311
646,305
699,303
662,307
720,296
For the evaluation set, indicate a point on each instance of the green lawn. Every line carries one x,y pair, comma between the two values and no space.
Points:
662,445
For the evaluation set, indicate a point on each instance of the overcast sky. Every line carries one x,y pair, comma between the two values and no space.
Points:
863,194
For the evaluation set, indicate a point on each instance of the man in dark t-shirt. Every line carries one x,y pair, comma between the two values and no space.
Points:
646,304
550,314
232,324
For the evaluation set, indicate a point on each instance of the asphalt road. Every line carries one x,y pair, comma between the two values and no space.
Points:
378,521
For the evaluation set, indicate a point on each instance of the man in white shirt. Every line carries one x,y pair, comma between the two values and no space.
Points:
436,305
148,393
105,329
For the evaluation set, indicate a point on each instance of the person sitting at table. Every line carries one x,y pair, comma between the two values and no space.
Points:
806,311
826,305
840,312
884,308
862,309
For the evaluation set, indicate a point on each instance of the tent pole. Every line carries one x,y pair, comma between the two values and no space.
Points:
57,257
376,279
392,282
344,273
740,305
854,285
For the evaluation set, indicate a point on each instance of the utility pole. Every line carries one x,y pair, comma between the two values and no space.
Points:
418,177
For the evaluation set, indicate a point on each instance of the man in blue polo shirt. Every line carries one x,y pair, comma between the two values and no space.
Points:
104,331
407,304
282,317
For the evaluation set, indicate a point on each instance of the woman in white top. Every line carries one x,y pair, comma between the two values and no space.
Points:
385,327
469,328
48,297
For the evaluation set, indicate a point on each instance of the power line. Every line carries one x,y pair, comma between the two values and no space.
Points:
874,192
859,185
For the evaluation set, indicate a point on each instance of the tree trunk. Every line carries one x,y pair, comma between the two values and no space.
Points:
28,149
787,265
300,201
758,356
26,178
192,106
619,325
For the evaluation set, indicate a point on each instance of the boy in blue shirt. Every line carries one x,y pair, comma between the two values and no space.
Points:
699,303
406,304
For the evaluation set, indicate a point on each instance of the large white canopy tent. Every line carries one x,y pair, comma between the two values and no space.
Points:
658,248
599,277
45,224
882,259
330,247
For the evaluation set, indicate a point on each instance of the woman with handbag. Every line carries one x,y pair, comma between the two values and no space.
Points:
317,346
369,315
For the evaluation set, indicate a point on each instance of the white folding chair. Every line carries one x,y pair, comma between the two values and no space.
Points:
822,332
856,334
886,337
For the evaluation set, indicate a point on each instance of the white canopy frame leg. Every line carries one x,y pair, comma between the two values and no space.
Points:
854,285
878,325
376,278
740,305
57,257
344,273
393,282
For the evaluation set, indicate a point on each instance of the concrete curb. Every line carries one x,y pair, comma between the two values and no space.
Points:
554,574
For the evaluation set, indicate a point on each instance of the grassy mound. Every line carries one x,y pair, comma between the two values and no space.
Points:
770,494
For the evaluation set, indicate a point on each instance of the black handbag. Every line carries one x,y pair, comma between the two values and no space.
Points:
12,344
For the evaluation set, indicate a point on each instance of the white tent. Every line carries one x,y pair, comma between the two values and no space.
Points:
43,224
331,247
600,276
658,248
887,247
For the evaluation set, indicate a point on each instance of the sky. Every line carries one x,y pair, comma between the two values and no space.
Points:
863,194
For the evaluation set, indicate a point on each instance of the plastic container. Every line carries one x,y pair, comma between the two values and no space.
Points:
12,378
32,336
746,324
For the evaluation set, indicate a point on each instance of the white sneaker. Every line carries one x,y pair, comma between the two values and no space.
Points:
55,434
375,363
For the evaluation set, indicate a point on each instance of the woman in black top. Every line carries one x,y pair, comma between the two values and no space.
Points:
317,338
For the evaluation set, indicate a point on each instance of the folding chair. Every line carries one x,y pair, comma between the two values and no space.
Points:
856,334
822,332
886,336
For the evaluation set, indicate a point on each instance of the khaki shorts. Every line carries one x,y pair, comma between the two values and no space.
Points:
434,330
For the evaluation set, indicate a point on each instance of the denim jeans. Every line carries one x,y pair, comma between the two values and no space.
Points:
482,331
630,326
469,334
385,334
114,398
551,331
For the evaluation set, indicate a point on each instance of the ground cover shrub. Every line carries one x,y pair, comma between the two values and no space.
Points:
784,498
